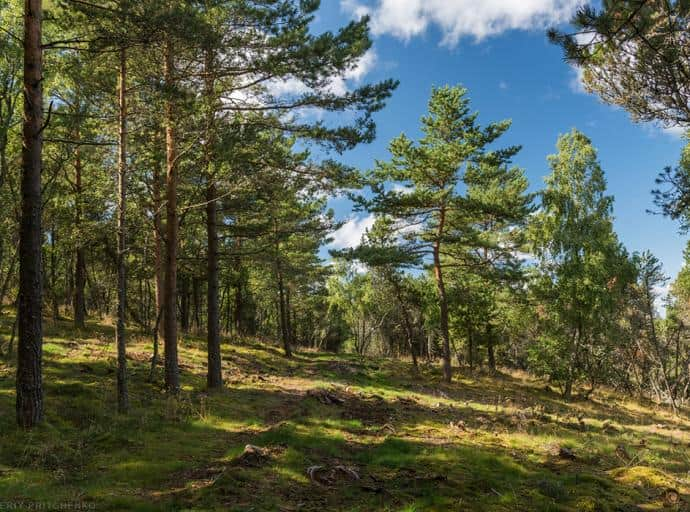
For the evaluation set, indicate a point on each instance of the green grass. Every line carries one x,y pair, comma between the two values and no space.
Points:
480,444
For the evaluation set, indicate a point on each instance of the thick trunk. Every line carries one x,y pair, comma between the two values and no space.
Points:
172,371
443,300
122,394
30,346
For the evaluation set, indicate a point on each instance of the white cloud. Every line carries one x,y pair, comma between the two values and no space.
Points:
456,19
399,188
288,87
503,85
363,67
576,83
675,131
656,129
337,85
350,234
662,293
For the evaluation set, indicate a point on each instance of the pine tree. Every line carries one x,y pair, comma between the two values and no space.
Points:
430,209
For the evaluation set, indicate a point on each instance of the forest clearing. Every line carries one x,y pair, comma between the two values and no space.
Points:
484,442
350,255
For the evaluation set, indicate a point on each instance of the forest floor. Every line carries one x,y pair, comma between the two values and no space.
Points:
327,433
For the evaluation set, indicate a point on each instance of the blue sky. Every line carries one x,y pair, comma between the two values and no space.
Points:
500,53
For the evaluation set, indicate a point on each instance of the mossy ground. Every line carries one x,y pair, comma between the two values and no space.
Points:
483,443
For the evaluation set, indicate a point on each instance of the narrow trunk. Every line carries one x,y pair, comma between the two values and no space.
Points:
214,376
288,317
239,304
29,405
79,301
53,276
158,242
443,300
196,296
183,294
172,371
409,334
470,346
122,394
490,349
572,360
282,313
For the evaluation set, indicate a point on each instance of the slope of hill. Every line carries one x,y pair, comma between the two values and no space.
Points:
328,432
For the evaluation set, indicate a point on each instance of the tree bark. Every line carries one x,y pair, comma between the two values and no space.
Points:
79,301
158,243
184,296
282,312
443,299
53,276
196,303
214,376
122,393
172,371
239,299
29,404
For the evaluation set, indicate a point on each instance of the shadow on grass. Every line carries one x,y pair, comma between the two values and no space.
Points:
171,454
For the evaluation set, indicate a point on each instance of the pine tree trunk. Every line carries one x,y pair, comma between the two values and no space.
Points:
79,301
30,345
172,371
184,295
443,301
53,276
490,349
282,313
239,302
158,244
214,376
196,296
122,393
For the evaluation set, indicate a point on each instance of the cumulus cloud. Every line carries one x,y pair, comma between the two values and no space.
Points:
457,19
350,234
